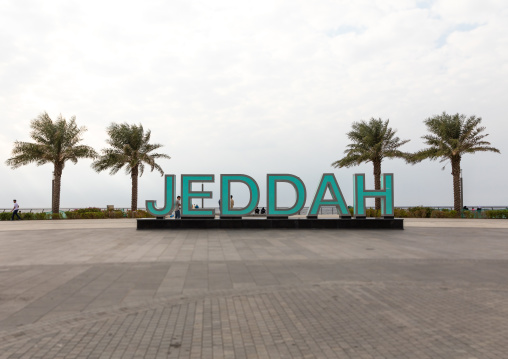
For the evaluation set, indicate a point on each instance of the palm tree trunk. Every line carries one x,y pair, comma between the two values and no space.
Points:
456,183
377,181
134,197
55,205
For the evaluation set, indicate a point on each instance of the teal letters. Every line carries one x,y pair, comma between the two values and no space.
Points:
385,193
169,199
188,195
225,193
271,194
329,182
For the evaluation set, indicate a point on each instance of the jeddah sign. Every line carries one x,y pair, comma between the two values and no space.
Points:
328,182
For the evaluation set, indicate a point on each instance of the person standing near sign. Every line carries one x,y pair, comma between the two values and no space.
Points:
178,208
15,210
232,202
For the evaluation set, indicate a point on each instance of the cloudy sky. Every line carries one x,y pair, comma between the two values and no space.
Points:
253,87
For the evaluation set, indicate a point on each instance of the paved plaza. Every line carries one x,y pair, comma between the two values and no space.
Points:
102,289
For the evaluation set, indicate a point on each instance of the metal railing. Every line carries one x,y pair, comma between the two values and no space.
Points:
323,210
46,209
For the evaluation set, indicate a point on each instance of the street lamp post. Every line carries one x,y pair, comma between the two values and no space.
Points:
53,192
461,191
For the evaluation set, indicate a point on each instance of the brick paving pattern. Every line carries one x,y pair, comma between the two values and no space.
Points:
118,293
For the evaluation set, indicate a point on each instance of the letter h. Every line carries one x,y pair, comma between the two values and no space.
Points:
385,194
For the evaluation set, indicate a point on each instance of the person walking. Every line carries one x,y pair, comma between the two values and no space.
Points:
178,208
15,210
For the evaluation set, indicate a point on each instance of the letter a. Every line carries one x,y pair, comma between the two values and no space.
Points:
328,181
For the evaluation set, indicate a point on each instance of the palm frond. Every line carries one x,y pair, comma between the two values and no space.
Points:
451,136
129,147
55,142
371,142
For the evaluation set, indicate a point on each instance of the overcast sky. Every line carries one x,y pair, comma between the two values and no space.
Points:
253,87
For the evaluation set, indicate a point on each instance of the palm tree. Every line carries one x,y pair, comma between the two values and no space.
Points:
452,136
55,142
371,142
130,147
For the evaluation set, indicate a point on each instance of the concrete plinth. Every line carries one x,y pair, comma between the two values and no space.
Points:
291,223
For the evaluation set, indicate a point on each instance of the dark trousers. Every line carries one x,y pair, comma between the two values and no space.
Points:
15,213
177,214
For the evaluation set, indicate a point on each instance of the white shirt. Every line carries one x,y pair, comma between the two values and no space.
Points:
16,206
178,204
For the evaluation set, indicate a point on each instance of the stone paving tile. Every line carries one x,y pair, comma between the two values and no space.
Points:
118,293
125,246
347,320
105,285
